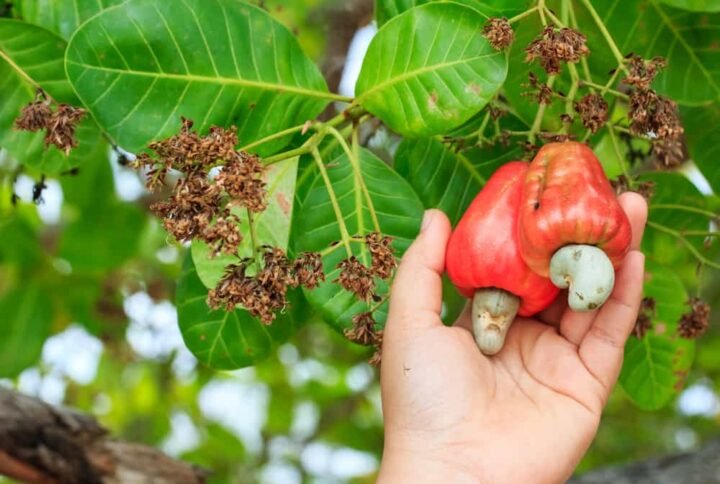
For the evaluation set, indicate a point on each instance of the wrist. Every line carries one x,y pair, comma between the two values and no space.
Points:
404,465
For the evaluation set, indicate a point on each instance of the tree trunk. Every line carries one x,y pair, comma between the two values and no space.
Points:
699,467
44,444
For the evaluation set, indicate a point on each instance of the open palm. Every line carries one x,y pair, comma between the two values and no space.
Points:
527,414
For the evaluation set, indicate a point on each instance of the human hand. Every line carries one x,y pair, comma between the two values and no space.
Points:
527,414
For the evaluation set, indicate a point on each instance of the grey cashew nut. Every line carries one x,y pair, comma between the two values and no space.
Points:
493,311
588,273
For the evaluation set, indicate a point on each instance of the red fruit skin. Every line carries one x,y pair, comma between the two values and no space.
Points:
483,250
567,199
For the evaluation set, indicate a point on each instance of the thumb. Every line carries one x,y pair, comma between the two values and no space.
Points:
418,284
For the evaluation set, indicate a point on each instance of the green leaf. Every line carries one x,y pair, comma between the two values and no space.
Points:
32,56
656,366
429,70
398,211
27,318
672,206
445,179
62,16
140,66
386,9
224,340
701,125
272,226
695,5
689,42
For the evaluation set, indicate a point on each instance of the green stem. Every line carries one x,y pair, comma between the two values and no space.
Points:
683,208
378,305
571,95
535,129
573,22
272,137
621,158
363,185
286,155
22,73
526,13
700,233
541,10
253,237
345,236
606,88
555,20
608,38
701,258
354,157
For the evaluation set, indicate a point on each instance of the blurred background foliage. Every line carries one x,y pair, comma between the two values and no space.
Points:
88,278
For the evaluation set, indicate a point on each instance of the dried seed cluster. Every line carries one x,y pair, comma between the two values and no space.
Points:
643,324
359,279
555,46
695,322
593,111
653,115
59,124
265,293
542,93
364,332
499,33
200,208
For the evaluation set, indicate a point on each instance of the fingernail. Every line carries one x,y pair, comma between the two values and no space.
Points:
427,220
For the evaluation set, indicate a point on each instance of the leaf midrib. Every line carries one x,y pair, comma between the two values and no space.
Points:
217,80
417,72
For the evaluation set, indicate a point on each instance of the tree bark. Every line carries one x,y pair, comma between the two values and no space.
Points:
44,444
698,467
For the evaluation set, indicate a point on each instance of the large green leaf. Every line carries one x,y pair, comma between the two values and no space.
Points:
695,5
445,179
386,9
398,211
141,65
701,128
224,340
429,70
272,226
672,206
656,365
25,325
32,56
62,16
689,42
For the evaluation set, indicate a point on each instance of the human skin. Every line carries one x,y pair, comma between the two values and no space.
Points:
527,414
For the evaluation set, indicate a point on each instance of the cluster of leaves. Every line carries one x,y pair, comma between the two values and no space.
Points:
269,199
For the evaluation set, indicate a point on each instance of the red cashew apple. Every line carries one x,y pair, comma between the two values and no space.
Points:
571,226
483,260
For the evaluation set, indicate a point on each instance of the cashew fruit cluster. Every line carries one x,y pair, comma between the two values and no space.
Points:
533,229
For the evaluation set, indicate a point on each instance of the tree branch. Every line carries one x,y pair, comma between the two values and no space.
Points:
44,444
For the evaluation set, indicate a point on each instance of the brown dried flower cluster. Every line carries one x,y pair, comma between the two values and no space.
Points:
265,293
356,278
365,333
382,253
363,329
653,115
644,319
593,111
59,125
555,46
542,93
359,279
642,72
499,32
200,208
695,322
621,185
